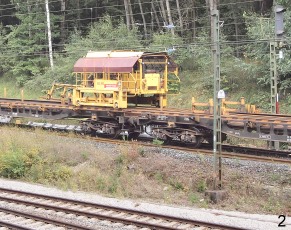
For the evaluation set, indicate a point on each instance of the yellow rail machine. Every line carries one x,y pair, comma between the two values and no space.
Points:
118,78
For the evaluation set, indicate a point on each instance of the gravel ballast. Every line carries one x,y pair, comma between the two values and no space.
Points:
239,219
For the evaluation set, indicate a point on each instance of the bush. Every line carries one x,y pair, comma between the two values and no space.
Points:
201,187
193,198
157,142
176,184
15,161
12,165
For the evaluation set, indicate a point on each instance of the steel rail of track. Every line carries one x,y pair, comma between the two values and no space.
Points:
242,156
11,225
112,213
285,155
202,151
245,156
233,155
41,219
232,116
236,150
143,109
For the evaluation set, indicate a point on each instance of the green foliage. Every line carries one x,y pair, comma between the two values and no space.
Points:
159,176
27,46
100,184
164,41
173,84
3,49
15,161
120,159
103,35
176,184
261,31
85,156
201,187
193,198
12,165
90,25
189,57
157,142
57,172
61,73
113,185
141,151
272,205
49,171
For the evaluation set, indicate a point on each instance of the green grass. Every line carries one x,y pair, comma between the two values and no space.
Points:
14,91
193,84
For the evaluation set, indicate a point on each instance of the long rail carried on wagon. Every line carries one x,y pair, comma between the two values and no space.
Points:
163,123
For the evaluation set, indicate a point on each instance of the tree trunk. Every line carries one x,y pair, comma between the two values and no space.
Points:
28,11
194,20
179,14
127,14
131,14
156,15
63,31
78,14
236,32
169,16
163,12
49,34
143,18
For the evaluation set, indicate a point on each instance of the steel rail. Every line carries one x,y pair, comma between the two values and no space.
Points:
244,156
169,111
140,109
119,210
45,220
201,151
11,225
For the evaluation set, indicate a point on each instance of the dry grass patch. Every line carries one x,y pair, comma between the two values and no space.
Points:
132,171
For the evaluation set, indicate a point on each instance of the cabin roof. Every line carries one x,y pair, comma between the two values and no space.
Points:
113,54
105,64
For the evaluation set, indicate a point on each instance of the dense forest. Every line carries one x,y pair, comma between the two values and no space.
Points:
181,27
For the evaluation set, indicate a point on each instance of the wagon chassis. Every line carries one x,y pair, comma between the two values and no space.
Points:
164,124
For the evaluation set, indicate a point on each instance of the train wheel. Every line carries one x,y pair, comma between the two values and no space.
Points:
168,140
199,140
106,129
133,135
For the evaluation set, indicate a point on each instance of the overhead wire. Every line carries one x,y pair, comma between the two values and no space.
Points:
147,24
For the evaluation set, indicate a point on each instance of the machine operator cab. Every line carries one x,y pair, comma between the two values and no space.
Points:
118,78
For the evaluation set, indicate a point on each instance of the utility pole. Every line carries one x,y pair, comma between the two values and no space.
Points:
49,34
217,193
217,103
279,31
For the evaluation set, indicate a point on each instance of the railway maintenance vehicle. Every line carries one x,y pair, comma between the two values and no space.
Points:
125,92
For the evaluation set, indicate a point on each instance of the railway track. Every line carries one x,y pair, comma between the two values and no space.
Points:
264,155
230,155
229,151
36,211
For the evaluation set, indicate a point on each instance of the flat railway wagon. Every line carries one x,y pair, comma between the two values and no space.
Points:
125,93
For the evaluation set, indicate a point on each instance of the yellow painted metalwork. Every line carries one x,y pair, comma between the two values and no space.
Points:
148,80
146,83
242,107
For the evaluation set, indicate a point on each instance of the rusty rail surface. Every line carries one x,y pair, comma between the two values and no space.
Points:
231,155
100,211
